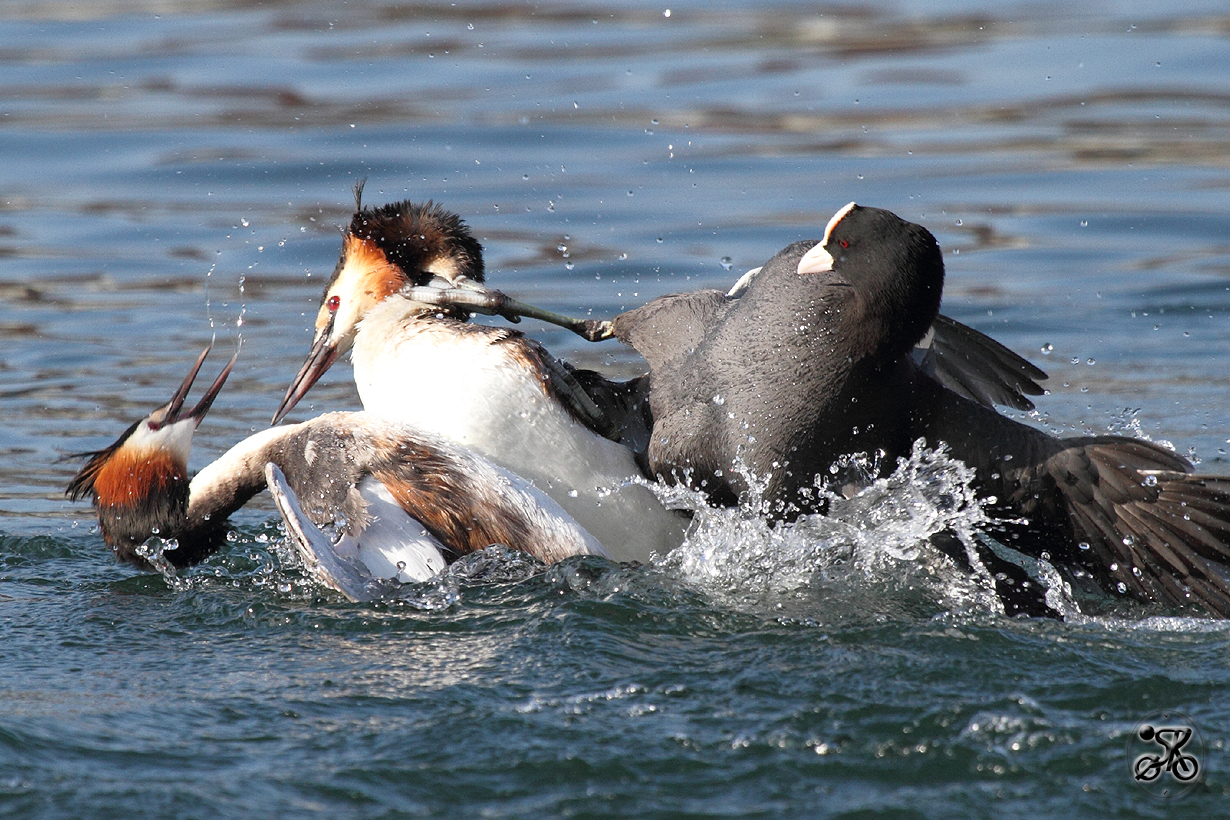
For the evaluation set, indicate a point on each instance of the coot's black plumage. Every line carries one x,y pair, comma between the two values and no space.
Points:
799,370
812,363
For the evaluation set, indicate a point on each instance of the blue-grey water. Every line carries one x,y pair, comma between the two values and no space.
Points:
176,171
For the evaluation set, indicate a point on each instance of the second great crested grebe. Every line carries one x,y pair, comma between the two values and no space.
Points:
403,502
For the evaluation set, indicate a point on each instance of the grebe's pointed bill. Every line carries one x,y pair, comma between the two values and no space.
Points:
171,411
320,358
177,400
197,413
818,259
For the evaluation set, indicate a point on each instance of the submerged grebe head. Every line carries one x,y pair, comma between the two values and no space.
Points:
140,483
384,249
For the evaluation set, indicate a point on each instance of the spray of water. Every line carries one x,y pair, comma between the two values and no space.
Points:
871,554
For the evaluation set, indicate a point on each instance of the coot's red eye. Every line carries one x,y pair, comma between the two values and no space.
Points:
845,243
333,302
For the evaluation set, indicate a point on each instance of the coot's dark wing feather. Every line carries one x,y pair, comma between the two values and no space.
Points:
1161,533
670,326
977,367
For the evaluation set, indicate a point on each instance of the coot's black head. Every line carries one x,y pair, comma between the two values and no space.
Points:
896,267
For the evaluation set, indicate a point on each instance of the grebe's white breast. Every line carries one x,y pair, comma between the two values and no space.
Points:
484,388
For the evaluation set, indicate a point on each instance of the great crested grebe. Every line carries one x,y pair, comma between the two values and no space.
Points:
491,390
404,502
812,363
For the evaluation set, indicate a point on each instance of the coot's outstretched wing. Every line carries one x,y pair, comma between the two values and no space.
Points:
1152,528
670,326
977,367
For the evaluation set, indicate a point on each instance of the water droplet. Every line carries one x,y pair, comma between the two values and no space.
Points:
1090,362
1084,545
1122,587
726,262
719,400
1047,348
659,240
1150,481
573,493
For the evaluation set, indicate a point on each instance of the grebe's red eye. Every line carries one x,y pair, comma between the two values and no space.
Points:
845,243
333,302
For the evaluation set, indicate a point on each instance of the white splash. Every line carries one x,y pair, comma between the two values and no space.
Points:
870,555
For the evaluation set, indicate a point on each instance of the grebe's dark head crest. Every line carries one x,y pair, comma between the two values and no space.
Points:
384,249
